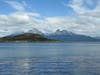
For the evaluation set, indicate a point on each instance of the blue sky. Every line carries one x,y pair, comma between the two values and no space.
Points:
44,7
78,16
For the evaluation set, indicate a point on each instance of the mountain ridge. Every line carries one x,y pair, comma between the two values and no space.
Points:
36,35
25,37
64,35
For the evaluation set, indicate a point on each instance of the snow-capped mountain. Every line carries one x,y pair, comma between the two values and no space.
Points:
33,31
65,35
58,35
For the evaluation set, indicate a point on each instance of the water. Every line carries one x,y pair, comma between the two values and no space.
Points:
82,58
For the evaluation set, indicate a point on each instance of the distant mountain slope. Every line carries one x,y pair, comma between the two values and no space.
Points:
33,31
69,36
27,37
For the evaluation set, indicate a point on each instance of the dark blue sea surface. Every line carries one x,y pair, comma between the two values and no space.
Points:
76,58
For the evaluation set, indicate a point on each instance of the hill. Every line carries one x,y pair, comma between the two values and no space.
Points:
25,37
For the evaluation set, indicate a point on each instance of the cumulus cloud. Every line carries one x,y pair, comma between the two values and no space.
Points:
86,21
19,21
84,26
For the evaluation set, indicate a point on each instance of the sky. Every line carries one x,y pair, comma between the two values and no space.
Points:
77,16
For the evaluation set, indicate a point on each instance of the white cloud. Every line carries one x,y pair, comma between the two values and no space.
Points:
77,6
18,21
85,22
16,5
90,2
79,25
21,21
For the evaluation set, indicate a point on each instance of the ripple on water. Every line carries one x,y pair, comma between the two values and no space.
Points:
50,66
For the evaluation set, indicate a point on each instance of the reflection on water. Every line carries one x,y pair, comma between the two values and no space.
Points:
49,59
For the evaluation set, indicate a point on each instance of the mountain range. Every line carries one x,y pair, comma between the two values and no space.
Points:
36,35
64,35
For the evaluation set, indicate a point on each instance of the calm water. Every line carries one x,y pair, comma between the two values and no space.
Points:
50,58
